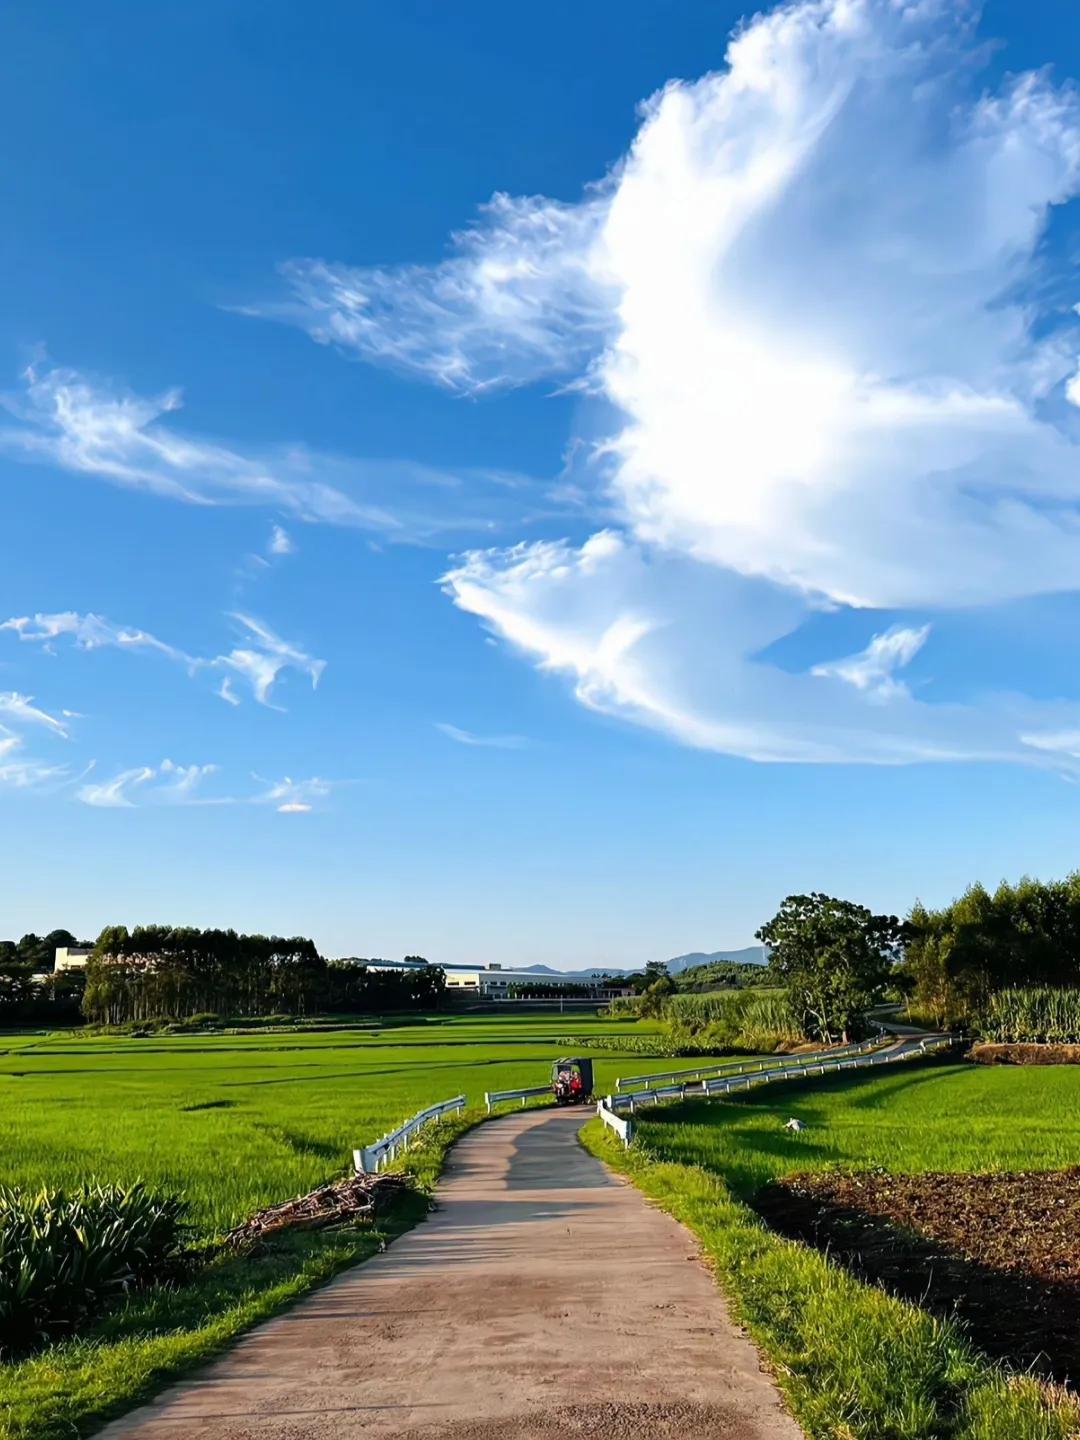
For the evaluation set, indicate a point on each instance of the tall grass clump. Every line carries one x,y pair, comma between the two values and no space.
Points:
1048,1014
732,1019
65,1256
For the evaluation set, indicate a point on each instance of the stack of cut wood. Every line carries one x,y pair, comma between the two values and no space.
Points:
356,1200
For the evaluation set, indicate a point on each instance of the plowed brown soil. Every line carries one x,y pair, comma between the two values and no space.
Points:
999,1252
985,1054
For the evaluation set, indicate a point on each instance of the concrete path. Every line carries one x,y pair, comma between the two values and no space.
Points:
544,1299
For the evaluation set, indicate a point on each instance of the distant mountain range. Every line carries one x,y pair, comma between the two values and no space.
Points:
748,955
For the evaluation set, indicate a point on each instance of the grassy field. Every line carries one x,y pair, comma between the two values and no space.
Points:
233,1123
236,1122
935,1117
856,1363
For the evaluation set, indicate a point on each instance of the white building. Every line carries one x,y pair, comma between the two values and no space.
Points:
494,983
72,957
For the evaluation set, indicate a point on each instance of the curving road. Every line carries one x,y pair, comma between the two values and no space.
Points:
543,1300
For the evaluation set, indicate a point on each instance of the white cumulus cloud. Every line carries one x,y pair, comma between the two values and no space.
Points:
280,542
810,301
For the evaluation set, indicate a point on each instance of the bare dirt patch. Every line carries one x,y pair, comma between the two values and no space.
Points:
987,1054
1001,1252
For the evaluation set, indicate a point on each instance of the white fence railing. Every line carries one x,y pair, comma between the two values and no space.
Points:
623,1128
368,1159
729,1084
494,1097
741,1067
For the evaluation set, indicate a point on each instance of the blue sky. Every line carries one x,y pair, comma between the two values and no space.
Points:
697,526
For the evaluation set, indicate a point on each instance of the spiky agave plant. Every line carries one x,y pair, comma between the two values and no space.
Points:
65,1256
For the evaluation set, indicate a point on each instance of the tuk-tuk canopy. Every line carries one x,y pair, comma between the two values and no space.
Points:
582,1064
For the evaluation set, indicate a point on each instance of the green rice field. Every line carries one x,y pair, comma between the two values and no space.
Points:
236,1122
951,1117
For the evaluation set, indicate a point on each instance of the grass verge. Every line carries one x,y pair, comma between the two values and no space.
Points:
854,1363
72,1388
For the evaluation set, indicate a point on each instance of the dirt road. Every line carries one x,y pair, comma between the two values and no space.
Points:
543,1300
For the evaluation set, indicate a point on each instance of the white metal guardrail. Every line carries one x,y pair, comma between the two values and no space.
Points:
727,1084
623,1128
743,1067
368,1159
494,1097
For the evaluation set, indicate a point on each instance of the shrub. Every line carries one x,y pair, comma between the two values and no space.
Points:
64,1257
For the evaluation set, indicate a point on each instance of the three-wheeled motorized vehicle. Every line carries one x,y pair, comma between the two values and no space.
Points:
571,1080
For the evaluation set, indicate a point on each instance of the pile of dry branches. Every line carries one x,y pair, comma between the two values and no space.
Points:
356,1200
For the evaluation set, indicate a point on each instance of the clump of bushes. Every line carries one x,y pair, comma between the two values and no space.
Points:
1035,1014
730,1020
65,1256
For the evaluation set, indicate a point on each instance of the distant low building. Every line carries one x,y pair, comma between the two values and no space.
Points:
494,983
72,957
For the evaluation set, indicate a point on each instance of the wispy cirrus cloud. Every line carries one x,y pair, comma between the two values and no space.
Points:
258,661
170,784
294,797
95,429
811,301
490,742
517,300
88,632
873,669
164,784
21,709
20,772
262,662
102,430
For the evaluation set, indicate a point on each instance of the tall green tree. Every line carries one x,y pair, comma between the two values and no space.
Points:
1022,934
833,958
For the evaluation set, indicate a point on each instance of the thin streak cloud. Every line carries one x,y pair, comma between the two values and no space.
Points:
489,742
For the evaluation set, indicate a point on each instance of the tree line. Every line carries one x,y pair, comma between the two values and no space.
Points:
835,959
1018,936
158,972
